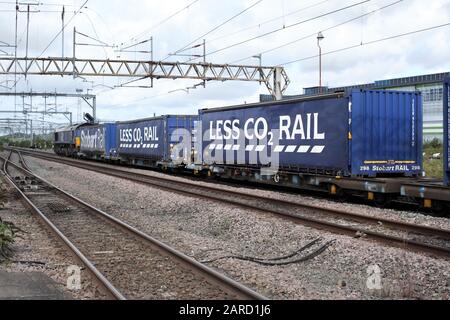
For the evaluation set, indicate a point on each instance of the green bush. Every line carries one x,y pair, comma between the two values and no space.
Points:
434,144
41,143
38,143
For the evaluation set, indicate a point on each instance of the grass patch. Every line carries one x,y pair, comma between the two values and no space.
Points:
2,193
220,227
8,231
8,234
434,168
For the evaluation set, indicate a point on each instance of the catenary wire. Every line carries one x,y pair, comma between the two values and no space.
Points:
135,38
267,22
63,28
369,43
284,28
219,26
324,30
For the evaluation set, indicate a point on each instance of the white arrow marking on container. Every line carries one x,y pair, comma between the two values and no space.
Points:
291,149
304,149
278,149
318,149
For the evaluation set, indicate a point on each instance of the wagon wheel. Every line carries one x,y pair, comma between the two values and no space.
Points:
342,195
382,200
276,178
440,209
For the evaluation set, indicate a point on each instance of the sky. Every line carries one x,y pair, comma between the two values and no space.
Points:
177,23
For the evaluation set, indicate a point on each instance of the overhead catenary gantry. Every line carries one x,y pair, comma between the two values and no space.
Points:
66,114
29,127
11,124
275,78
90,99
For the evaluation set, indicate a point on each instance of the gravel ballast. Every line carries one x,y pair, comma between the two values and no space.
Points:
395,214
207,230
37,250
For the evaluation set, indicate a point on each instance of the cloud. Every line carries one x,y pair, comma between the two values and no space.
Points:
117,22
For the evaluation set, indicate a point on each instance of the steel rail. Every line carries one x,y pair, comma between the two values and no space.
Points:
399,225
206,272
404,226
107,287
187,189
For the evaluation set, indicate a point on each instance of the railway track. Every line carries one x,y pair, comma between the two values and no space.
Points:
125,263
391,232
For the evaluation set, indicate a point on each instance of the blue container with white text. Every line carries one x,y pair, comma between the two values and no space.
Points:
359,133
152,141
98,140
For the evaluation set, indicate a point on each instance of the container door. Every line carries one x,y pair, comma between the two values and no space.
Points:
180,138
446,133
386,133
110,140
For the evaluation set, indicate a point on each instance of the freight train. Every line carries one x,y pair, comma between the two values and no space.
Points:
360,143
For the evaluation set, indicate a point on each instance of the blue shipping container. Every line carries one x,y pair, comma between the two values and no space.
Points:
387,132
152,139
447,132
99,140
364,133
